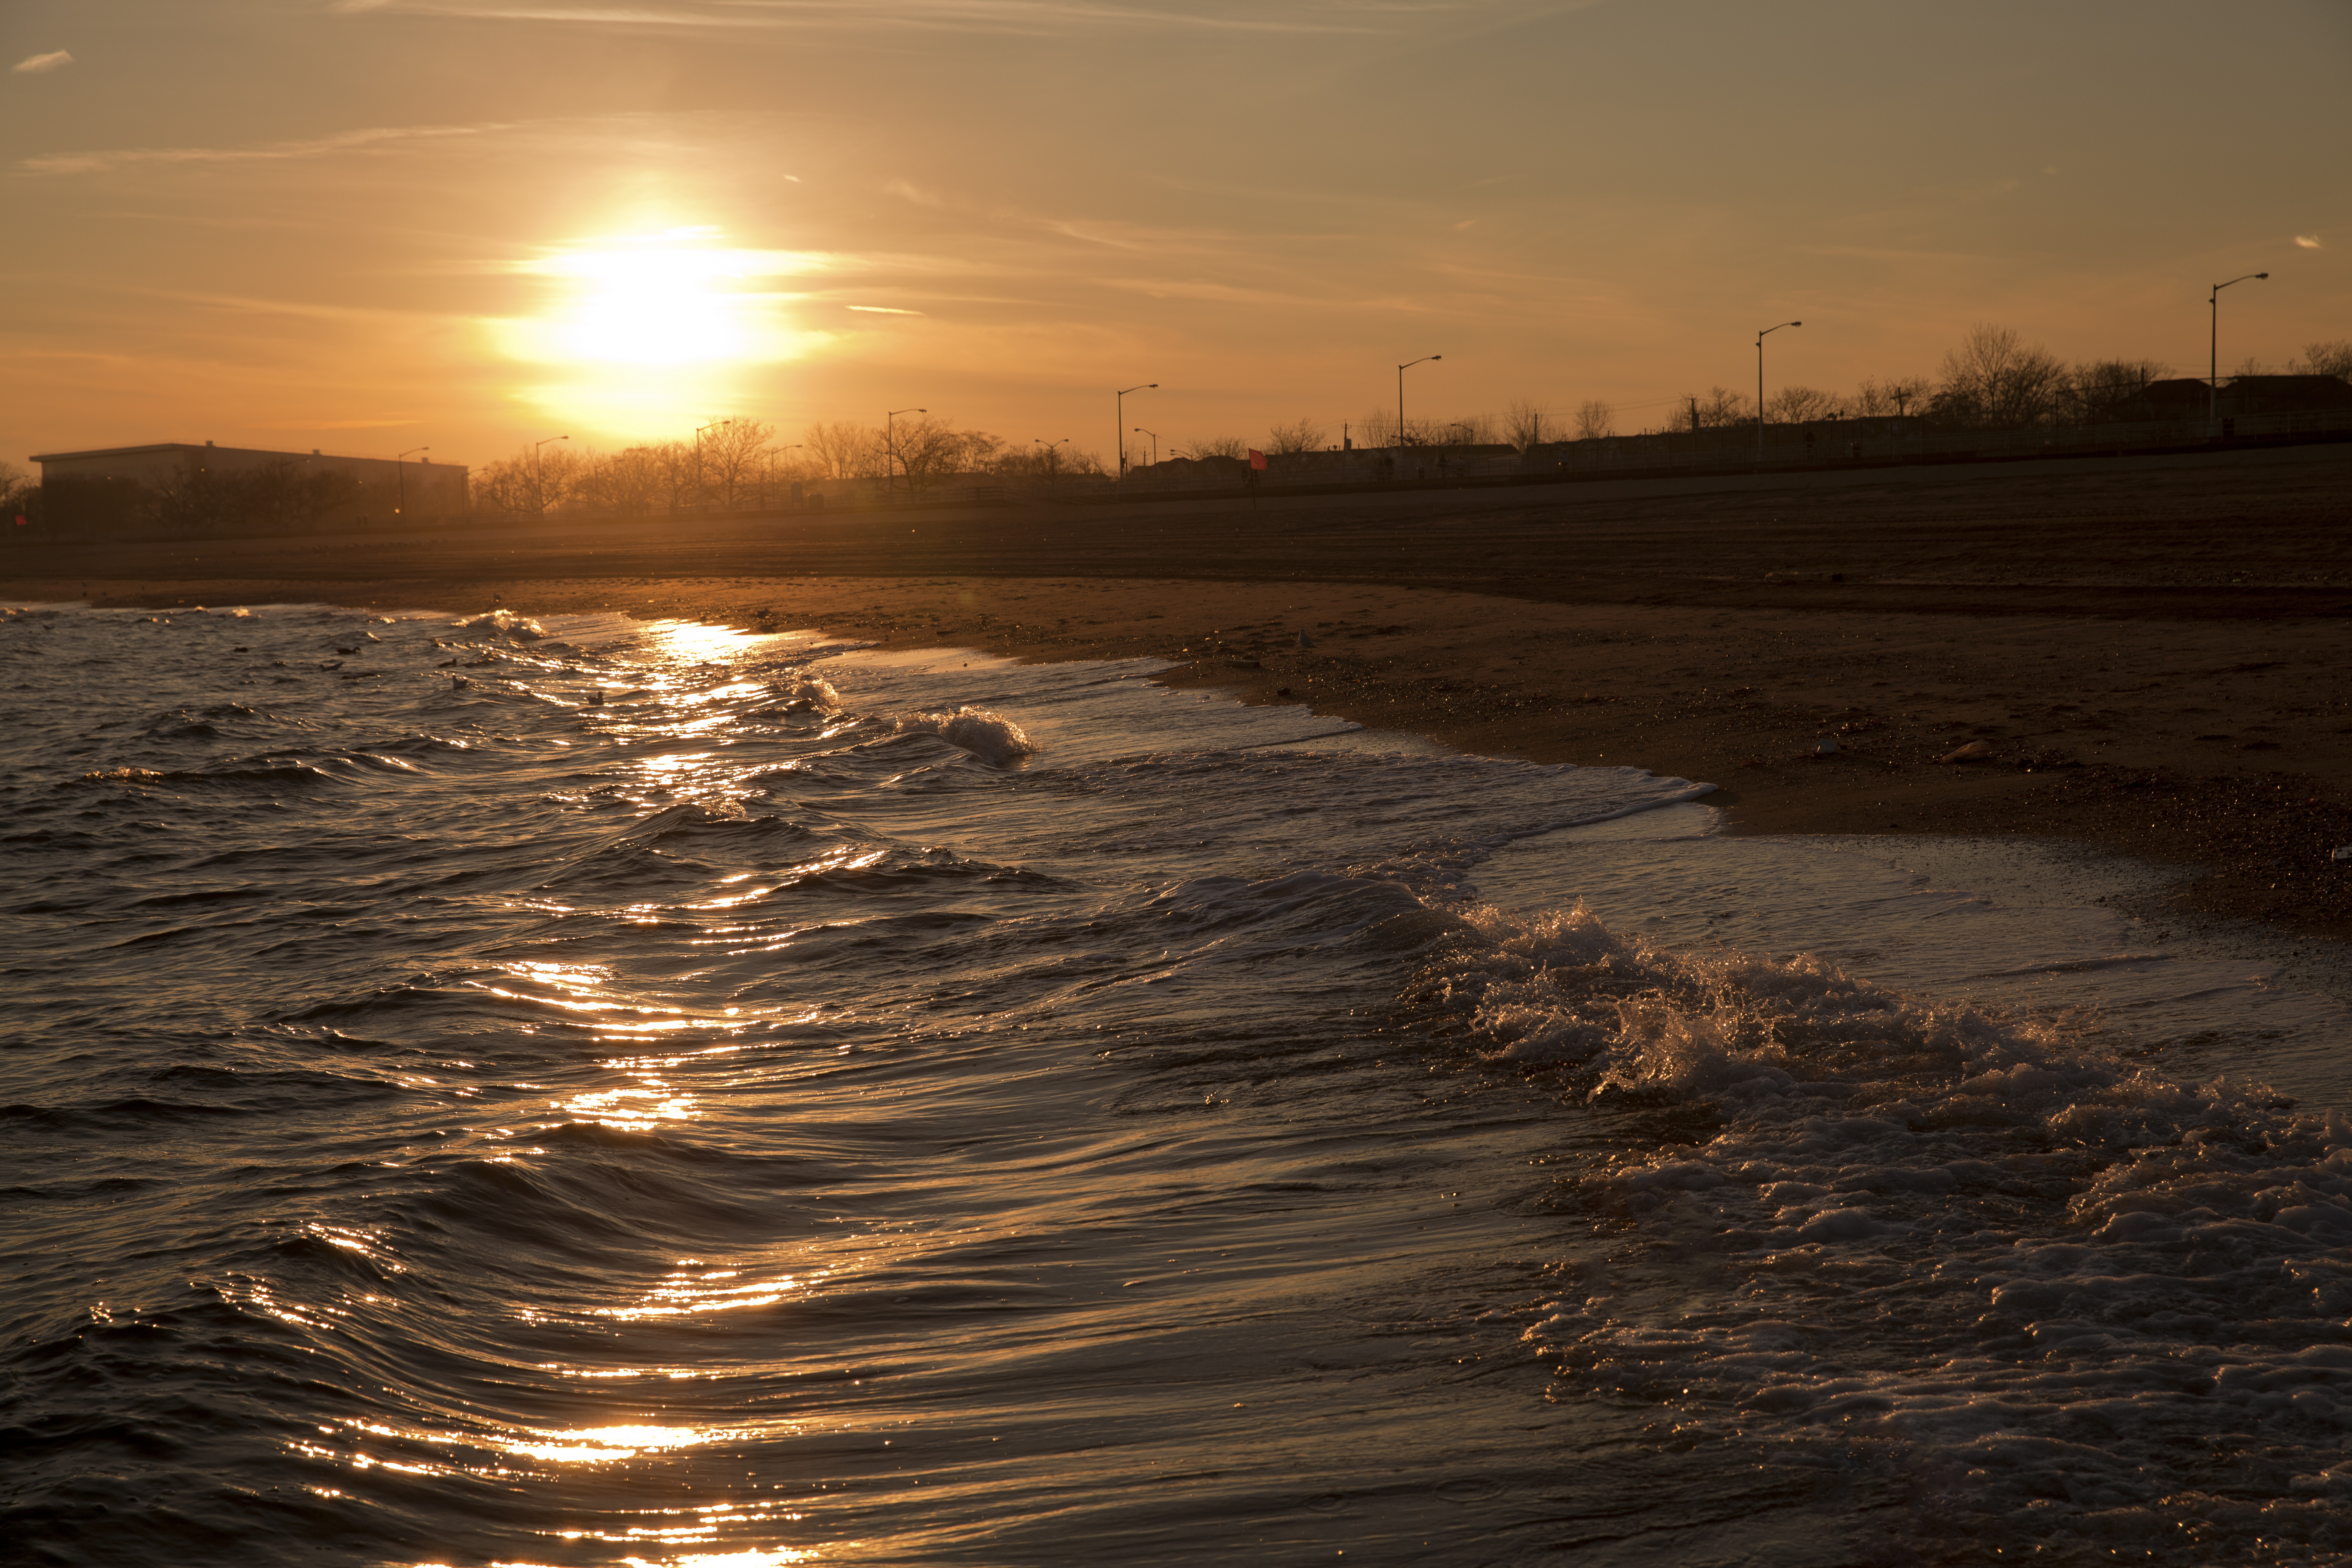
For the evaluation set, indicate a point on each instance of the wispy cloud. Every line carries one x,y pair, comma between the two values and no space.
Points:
257,152
1019,17
884,310
37,65
2308,241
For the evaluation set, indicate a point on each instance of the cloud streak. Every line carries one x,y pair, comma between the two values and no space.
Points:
1032,17
260,152
41,65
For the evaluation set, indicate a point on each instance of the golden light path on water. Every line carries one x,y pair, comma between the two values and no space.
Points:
640,331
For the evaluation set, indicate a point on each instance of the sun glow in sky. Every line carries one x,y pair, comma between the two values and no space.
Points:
638,325
368,224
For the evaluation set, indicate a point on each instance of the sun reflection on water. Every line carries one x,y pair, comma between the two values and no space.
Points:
690,1288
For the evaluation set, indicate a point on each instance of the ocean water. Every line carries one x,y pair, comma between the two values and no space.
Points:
480,1092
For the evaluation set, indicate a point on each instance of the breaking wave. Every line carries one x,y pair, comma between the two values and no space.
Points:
986,734
2053,1295
503,623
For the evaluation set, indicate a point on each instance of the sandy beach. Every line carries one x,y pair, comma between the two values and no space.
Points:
2143,654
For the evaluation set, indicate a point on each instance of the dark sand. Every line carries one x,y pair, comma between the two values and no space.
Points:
2152,650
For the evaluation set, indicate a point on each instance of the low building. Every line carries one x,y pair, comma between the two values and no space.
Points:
178,487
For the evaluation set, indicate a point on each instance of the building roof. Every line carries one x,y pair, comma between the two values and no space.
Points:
206,446
113,452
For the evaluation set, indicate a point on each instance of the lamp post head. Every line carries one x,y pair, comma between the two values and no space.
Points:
2261,274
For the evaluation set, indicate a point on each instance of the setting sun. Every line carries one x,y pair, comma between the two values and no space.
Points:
648,326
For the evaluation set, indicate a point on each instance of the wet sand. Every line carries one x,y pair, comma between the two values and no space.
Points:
2149,654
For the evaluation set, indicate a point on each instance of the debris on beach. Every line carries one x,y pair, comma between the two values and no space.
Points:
1825,746
1974,751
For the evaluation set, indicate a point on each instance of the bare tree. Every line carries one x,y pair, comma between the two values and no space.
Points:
1994,380
1526,424
1042,461
505,484
1595,420
287,497
20,496
1379,428
729,454
557,472
930,447
977,450
842,450
1895,394
635,481
1465,430
2324,359
1717,407
1301,435
2095,387
1799,404
1220,446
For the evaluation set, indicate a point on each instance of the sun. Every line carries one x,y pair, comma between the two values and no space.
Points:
638,326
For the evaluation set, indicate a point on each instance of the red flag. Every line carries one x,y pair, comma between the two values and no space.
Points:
1257,459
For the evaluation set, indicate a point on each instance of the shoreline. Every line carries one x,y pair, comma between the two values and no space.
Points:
2251,844
2148,659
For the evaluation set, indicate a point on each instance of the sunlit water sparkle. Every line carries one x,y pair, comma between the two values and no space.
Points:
607,1093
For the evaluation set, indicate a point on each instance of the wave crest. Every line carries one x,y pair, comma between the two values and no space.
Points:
1970,1242
503,623
986,734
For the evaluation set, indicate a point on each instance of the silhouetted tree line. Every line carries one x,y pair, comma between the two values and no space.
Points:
287,497
734,463
1992,380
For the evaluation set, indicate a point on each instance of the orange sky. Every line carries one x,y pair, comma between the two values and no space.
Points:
375,225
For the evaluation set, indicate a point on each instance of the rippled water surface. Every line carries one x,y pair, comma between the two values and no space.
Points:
597,1093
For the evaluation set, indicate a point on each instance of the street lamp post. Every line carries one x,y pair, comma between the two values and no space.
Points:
1155,443
701,491
767,499
1408,364
1759,384
400,471
1119,403
539,472
2213,347
1048,462
891,444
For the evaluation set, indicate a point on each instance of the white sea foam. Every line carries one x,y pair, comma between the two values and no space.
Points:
986,734
504,623
1958,1236
800,690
